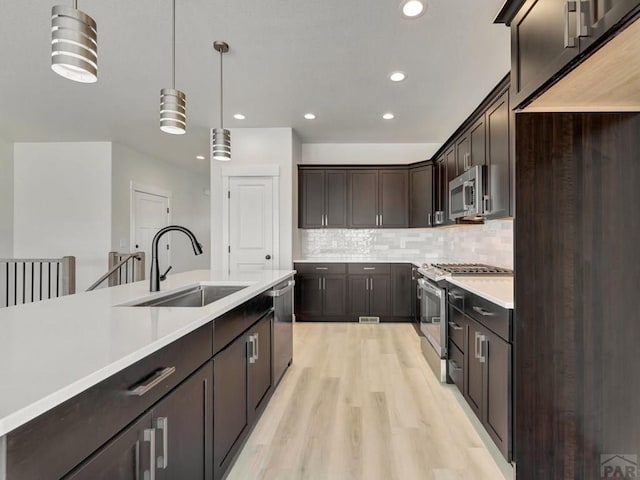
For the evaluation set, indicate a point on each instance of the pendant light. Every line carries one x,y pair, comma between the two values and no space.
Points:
74,44
221,137
173,102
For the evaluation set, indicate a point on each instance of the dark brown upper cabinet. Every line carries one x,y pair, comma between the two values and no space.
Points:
393,203
471,147
452,172
421,182
546,35
440,191
363,199
499,171
378,198
322,198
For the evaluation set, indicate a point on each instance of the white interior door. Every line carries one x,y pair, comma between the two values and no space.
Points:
251,219
150,214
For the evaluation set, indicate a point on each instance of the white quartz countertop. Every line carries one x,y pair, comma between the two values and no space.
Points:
356,260
53,350
496,289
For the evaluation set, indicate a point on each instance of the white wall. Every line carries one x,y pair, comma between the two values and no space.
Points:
62,204
189,204
257,146
367,153
6,199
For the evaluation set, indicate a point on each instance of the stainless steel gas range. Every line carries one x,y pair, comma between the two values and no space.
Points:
432,295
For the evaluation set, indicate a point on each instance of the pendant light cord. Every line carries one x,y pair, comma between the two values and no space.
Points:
173,42
221,124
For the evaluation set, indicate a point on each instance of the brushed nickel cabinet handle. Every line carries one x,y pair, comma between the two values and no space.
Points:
454,365
369,268
455,326
569,6
322,268
482,311
150,436
256,339
157,378
162,423
582,28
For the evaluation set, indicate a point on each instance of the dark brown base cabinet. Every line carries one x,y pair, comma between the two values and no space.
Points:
182,420
379,290
480,363
198,400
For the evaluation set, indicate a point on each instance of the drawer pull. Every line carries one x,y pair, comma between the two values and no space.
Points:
455,326
322,268
369,268
157,378
454,365
455,296
482,311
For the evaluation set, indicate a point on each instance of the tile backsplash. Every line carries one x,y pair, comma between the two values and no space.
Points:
491,243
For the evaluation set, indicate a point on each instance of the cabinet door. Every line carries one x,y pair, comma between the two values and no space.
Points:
230,421
394,198
498,390
452,172
475,369
402,292
543,40
441,190
260,368
498,158
183,423
363,198
127,457
309,296
477,144
334,298
312,199
380,303
463,153
335,198
598,16
358,295
421,193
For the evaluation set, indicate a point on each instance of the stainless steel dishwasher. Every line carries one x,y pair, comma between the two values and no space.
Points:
282,328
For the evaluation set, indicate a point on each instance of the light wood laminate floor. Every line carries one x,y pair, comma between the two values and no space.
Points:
360,402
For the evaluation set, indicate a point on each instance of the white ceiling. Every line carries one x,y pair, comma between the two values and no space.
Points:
288,57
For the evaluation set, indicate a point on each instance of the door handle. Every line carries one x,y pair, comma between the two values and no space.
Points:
483,341
569,6
429,219
268,257
150,436
251,349
320,283
371,287
324,283
162,423
256,340
476,349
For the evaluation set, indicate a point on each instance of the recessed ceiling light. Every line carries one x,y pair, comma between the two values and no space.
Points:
412,8
239,116
200,157
388,116
309,116
397,76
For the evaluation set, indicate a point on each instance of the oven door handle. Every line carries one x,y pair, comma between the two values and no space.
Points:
430,288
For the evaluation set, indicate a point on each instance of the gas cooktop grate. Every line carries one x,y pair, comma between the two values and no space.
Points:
472,269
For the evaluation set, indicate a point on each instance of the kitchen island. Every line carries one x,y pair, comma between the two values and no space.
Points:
56,351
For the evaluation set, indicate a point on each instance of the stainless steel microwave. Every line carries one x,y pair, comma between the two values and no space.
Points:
466,194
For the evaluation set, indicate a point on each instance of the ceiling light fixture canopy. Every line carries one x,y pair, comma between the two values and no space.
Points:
173,102
221,137
74,44
397,76
309,116
388,116
412,8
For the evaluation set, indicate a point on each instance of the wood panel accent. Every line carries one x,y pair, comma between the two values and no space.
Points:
607,81
577,232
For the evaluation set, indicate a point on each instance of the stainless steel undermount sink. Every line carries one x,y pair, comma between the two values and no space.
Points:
197,296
